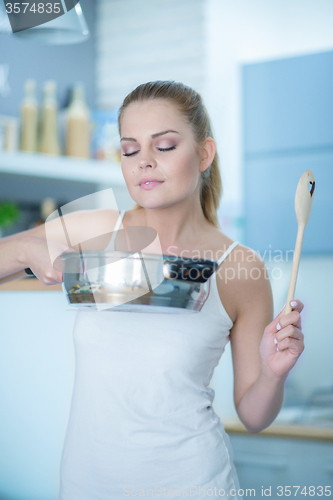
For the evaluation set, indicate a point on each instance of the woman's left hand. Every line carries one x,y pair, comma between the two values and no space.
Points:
283,341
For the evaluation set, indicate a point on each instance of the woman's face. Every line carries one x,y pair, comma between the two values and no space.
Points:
157,143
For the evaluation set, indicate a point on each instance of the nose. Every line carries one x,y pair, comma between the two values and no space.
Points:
147,159
146,163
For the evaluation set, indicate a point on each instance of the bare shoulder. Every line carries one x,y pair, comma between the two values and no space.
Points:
103,218
242,279
242,258
94,227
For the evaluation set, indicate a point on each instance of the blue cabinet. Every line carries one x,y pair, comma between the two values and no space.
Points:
288,128
270,201
288,104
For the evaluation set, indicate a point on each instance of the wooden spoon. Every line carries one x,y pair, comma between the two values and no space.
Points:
303,206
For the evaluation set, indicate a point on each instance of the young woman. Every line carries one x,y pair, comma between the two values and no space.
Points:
142,420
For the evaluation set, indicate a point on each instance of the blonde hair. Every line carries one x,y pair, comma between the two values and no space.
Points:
190,104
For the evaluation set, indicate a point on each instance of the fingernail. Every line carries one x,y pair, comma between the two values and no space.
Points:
277,348
275,341
293,303
278,327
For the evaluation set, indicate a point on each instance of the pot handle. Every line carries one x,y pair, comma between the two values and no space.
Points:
28,271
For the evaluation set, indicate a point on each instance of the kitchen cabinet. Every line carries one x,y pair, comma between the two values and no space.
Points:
272,462
288,123
288,104
37,369
271,222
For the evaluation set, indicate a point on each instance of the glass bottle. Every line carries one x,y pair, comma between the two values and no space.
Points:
49,141
29,118
78,125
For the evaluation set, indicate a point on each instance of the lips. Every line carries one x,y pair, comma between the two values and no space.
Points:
150,184
149,179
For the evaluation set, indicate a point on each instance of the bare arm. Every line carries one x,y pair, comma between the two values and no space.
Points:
12,252
91,229
258,389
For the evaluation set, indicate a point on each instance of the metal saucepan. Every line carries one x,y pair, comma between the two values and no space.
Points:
126,281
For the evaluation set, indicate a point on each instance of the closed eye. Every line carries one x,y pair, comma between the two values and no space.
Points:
129,154
167,149
160,149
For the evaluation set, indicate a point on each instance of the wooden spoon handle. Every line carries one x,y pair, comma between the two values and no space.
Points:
294,268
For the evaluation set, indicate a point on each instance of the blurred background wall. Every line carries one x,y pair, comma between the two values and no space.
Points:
145,41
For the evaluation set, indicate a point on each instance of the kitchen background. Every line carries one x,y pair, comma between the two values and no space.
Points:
265,71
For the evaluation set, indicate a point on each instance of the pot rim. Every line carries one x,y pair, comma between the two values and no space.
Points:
130,255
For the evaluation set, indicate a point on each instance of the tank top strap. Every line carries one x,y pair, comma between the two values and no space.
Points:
120,218
110,246
226,253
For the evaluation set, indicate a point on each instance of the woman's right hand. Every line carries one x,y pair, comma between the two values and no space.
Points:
41,256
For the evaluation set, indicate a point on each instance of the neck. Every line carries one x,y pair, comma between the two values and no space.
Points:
178,226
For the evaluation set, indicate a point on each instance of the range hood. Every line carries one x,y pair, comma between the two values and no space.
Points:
68,28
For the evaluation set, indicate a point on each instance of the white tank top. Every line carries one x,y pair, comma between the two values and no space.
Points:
142,412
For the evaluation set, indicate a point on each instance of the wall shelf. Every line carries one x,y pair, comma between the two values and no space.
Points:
28,285
62,168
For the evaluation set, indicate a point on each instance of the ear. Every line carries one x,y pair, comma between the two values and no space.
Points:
208,151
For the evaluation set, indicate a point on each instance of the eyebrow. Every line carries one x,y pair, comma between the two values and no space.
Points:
153,136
